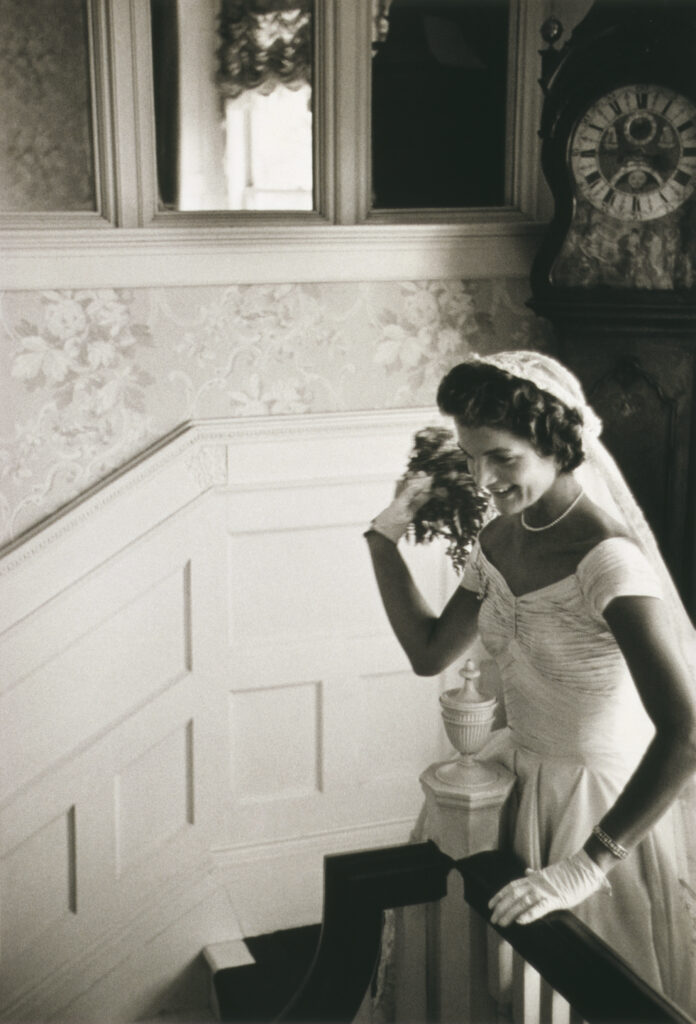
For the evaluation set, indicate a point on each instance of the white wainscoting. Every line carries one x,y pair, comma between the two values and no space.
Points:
200,699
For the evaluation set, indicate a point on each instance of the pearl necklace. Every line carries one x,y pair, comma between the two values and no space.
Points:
547,526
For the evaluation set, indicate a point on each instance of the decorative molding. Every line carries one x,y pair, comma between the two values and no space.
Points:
82,508
501,246
205,448
208,466
528,186
330,841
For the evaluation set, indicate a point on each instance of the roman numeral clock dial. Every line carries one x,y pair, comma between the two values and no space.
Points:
633,152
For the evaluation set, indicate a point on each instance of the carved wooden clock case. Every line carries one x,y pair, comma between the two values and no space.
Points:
616,270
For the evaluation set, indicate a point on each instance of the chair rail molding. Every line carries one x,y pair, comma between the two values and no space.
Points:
202,454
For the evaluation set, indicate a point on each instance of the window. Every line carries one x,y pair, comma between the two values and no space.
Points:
356,227
46,153
233,104
439,105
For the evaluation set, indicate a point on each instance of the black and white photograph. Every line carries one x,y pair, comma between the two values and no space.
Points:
348,511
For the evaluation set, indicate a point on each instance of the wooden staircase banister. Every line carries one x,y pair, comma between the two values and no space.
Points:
597,983
358,887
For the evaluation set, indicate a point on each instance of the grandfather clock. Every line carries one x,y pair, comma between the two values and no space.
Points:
616,270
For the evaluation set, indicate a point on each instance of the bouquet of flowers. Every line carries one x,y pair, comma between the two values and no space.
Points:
456,511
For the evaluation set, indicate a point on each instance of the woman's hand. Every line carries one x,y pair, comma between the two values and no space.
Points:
431,642
412,492
557,887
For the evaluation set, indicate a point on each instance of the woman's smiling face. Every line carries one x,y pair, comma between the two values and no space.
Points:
508,466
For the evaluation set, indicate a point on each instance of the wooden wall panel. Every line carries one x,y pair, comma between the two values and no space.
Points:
201,698
101,848
330,728
399,713
89,684
39,882
154,796
276,742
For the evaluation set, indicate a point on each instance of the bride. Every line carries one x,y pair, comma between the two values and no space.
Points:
570,596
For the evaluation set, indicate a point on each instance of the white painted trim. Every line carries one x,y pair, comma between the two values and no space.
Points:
102,124
179,469
351,138
384,833
151,249
221,256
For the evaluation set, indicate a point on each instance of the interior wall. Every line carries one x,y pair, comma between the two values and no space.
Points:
92,377
200,699
201,696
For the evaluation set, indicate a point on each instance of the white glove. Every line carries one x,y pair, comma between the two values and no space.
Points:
557,887
412,492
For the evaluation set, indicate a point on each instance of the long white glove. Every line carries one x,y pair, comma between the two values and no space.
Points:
412,492
557,887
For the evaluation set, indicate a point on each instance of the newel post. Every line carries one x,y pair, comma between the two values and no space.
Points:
442,955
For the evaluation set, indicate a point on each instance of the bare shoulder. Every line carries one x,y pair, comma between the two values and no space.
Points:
498,529
496,535
593,524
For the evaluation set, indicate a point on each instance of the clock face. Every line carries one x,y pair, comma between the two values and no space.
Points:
633,152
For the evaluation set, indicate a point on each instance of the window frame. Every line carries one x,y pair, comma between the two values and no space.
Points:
128,242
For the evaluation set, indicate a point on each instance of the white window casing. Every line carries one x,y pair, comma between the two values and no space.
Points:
129,243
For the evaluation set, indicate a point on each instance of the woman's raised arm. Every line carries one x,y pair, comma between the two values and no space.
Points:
431,642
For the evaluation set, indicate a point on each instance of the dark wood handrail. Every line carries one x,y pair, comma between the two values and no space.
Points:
595,980
358,887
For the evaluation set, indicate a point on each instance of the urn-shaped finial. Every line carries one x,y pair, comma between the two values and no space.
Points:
468,716
468,692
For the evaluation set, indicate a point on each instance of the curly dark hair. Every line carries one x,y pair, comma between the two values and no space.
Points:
479,394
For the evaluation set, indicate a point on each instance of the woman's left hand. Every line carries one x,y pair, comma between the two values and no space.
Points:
557,887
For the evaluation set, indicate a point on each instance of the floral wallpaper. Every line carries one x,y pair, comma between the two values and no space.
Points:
91,378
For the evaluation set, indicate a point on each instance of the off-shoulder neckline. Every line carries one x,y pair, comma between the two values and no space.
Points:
556,583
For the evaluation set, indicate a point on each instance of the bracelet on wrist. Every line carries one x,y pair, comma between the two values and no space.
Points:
617,849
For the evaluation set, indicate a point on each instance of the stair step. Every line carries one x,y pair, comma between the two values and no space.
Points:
222,956
261,980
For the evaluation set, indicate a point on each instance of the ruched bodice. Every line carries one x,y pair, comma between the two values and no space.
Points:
567,689
575,731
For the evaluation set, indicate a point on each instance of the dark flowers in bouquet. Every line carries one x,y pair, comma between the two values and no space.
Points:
456,510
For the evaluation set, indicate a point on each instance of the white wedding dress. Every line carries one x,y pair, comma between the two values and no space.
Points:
575,731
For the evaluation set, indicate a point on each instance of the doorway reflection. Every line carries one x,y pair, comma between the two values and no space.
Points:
233,104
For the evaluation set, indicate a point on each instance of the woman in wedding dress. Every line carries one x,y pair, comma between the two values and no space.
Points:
570,596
